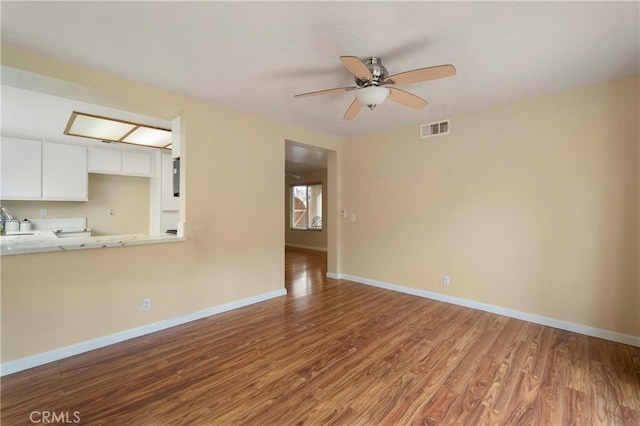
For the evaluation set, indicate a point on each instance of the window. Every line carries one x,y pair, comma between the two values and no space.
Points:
306,207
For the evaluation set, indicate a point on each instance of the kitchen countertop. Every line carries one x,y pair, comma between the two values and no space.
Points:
41,241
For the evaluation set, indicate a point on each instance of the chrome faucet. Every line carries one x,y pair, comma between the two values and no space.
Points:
6,216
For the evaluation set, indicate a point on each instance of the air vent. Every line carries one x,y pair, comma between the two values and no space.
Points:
434,129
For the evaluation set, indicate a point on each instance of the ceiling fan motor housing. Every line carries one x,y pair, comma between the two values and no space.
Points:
379,72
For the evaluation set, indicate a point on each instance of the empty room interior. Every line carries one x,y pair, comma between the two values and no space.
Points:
350,213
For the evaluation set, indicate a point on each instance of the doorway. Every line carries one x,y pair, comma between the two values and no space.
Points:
311,200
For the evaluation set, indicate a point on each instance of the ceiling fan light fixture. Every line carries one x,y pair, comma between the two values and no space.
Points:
372,96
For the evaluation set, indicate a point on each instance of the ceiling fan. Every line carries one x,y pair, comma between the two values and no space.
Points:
373,84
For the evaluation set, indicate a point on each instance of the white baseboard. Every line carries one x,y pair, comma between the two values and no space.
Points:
57,354
306,247
627,339
89,345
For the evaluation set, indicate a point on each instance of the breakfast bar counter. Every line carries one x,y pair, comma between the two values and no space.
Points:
48,241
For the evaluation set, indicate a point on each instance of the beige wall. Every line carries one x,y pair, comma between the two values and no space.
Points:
52,300
531,206
309,239
127,195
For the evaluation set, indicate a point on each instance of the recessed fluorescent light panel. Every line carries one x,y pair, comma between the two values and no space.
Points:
149,136
114,130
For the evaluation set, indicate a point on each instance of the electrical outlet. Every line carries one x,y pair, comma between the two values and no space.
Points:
146,304
43,212
112,212
445,280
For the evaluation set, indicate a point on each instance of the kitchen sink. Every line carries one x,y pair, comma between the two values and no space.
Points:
72,234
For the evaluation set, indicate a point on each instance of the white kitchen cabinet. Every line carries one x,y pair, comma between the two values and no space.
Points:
168,201
176,137
136,164
120,162
21,169
106,161
64,172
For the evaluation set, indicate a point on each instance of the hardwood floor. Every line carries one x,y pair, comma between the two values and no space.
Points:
337,352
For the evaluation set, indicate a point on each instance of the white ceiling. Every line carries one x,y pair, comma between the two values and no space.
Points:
254,56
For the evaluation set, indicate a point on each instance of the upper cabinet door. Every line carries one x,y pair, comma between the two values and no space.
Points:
64,172
136,164
176,137
120,162
21,169
108,161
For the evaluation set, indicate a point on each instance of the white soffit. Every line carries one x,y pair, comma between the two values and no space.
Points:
32,114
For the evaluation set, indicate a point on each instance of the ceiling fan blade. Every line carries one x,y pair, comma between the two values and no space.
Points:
356,67
421,74
353,110
325,92
407,99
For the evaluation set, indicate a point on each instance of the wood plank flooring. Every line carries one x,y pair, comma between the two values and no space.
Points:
337,352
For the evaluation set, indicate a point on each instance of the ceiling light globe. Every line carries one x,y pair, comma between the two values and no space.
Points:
372,95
